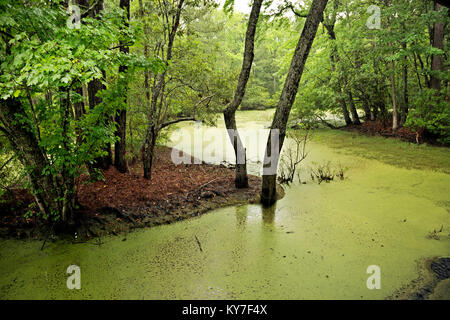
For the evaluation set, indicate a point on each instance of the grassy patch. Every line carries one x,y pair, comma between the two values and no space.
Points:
391,151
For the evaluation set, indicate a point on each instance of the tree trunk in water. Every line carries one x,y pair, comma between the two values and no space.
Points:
438,42
287,98
121,116
355,117
241,179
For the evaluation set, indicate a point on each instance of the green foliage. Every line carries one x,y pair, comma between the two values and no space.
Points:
44,64
432,113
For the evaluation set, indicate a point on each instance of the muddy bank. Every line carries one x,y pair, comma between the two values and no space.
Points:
120,203
433,282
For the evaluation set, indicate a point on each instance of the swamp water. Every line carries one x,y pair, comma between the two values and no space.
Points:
315,243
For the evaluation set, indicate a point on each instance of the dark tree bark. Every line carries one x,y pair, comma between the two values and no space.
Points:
121,116
405,108
241,179
437,42
287,98
94,100
368,114
79,111
31,155
94,87
345,112
355,116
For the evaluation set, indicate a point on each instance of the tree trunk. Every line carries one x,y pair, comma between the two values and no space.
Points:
147,156
355,117
30,154
157,94
93,88
334,58
67,189
345,113
241,179
121,116
438,42
287,98
368,114
394,99
405,108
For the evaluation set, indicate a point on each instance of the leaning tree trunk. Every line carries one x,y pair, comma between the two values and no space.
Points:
31,155
121,116
287,98
241,179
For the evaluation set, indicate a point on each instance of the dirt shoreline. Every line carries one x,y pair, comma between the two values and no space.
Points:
123,202
433,282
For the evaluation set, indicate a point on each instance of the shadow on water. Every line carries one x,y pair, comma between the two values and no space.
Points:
268,214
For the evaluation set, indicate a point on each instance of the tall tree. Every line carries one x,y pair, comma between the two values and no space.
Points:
241,179
329,24
172,17
121,116
437,42
287,98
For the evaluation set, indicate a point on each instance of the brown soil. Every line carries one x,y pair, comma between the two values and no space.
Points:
122,202
433,272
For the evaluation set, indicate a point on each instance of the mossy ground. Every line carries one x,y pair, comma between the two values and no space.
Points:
387,150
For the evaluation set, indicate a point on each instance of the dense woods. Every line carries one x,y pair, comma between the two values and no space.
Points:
91,84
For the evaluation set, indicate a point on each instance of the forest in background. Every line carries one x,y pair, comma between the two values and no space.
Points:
80,96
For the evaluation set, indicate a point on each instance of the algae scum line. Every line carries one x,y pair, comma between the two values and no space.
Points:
316,243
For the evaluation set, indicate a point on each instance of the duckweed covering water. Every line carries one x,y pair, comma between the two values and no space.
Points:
316,243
